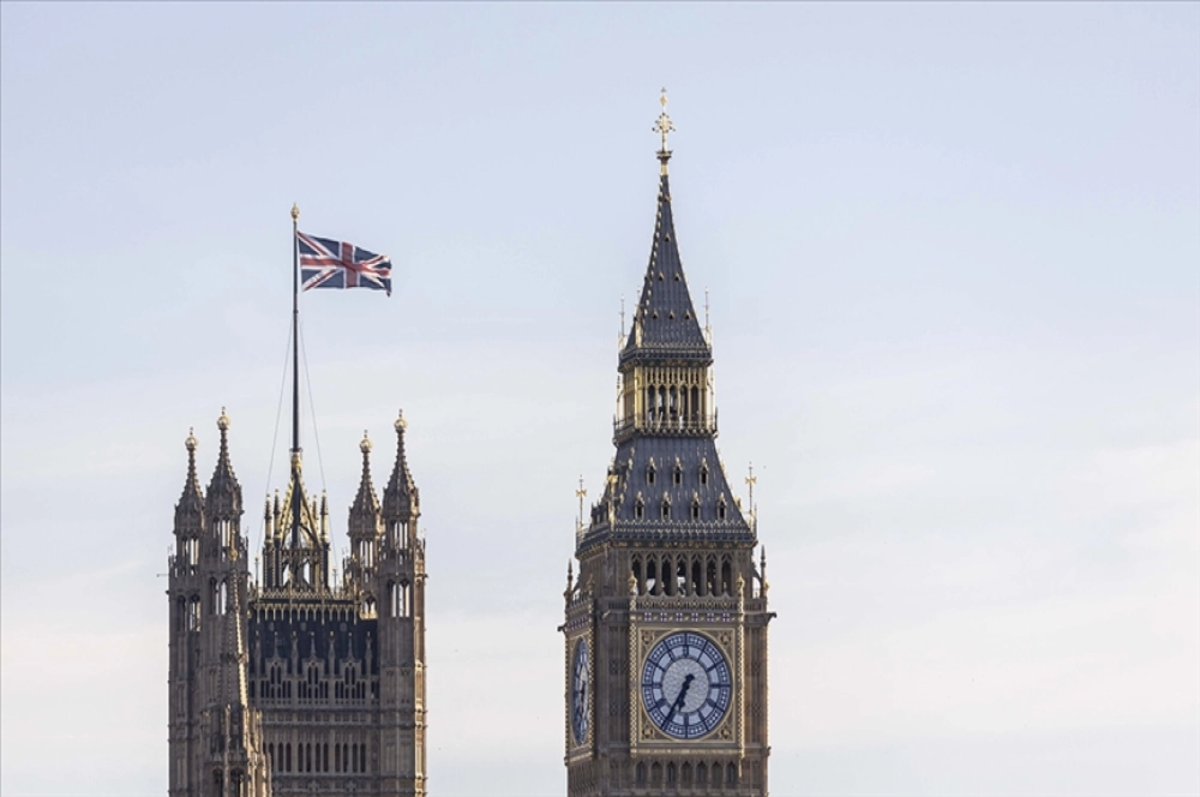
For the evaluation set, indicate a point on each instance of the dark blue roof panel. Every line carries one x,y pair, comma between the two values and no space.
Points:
665,323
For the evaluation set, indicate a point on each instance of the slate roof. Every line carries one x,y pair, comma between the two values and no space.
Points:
616,514
700,505
665,323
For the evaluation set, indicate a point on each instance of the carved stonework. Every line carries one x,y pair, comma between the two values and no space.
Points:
322,682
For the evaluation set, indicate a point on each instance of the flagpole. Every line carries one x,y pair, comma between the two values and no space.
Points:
295,376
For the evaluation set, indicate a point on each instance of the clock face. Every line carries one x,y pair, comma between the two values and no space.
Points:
580,686
686,685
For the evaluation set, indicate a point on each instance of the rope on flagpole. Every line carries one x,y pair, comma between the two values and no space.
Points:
312,407
275,435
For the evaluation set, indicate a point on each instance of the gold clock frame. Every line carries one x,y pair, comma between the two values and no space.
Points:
645,737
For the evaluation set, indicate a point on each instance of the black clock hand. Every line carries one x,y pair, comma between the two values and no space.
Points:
678,704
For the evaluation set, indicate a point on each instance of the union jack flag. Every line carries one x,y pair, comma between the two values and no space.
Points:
325,263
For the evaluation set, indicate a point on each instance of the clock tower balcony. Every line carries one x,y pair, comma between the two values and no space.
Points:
625,429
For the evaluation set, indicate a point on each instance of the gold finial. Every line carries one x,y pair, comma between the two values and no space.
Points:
663,125
295,212
191,442
401,424
580,494
223,421
365,445
752,480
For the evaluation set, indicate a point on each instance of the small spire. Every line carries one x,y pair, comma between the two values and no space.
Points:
191,444
663,126
762,570
401,498
224,492
190,509
223,424
324,518
364,512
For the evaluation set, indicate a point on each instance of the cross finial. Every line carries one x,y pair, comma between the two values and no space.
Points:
707,326
580,493
663,126
751,480
621,337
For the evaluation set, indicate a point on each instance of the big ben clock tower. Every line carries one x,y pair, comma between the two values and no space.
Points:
666,625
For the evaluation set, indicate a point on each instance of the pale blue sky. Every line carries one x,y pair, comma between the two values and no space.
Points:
954,261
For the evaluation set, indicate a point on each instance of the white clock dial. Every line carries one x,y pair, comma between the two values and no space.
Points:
686,685
580,688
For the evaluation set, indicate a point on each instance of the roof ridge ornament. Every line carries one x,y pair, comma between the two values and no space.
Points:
663,125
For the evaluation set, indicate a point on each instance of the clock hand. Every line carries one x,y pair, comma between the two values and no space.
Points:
678,704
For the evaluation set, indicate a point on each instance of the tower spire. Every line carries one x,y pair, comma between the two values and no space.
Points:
364,512
191,502
665,322
224,501
365,500
401,499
